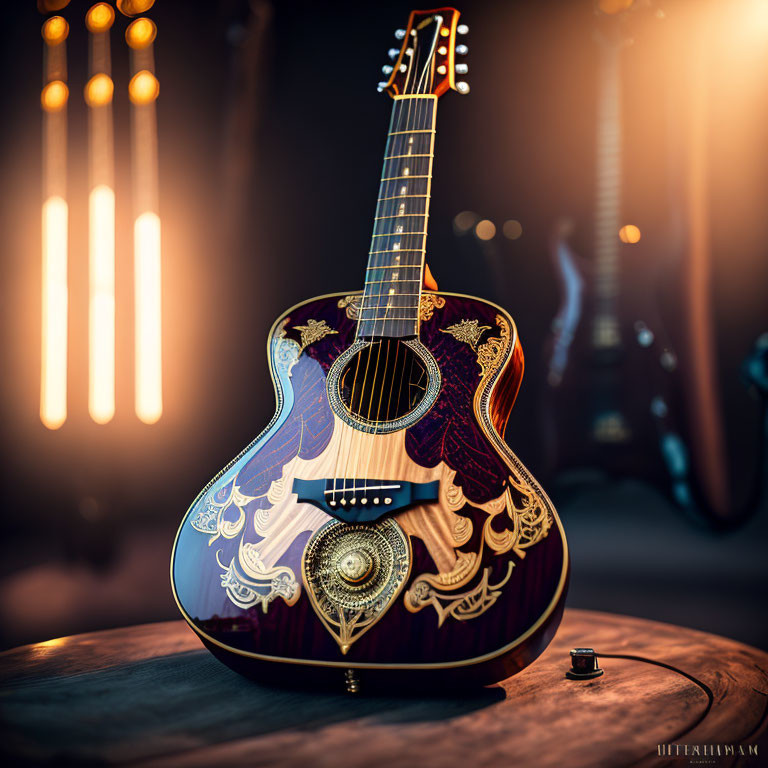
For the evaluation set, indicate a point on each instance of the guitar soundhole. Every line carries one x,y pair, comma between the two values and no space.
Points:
384,381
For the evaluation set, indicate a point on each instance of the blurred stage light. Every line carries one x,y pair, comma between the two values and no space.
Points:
464,221
612,7
54,95
629,233
134,7
143,88
99,18
53,378
55,30
485,230
48,6
101,242
99,90
512,229
149,388
140,33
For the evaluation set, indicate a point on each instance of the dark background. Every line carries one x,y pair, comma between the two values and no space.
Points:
271,136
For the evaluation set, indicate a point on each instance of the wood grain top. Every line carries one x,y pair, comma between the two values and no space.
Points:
152,694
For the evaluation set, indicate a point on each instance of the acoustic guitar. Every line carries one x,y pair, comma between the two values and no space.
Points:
380,530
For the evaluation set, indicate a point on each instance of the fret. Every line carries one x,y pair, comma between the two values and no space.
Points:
397,266
404,188
397,234
396,157
400,133
396,178
400,197
398,250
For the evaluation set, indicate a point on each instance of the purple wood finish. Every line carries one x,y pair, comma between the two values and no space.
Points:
530,602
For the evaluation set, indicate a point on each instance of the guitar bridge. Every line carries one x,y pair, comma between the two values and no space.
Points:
363,501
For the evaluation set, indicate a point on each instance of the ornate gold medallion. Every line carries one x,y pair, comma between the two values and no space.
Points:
353,573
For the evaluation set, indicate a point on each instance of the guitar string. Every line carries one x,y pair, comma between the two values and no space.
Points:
361,318
372,437
397,114
430,106
346,428
421,109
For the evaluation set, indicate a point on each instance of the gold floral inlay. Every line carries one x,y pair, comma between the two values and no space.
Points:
313,331
468,331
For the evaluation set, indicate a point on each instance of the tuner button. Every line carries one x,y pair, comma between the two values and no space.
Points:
462,50
462,88
387,69
462,29
461,69
400,34
381,86
403,68
393,53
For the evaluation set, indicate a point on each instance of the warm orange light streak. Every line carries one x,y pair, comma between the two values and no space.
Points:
99,90
101,245
149,379
53,379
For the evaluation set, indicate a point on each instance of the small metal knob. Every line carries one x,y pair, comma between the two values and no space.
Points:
462,88
461,69
462,29
393,53
462,50
381,86
584,664
351,681
387,69
400,34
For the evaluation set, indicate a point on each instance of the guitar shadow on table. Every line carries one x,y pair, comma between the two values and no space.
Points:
158,706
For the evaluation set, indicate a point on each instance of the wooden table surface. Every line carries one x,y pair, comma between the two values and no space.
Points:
151,695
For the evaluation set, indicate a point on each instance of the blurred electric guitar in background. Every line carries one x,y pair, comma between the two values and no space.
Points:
620,398
380,529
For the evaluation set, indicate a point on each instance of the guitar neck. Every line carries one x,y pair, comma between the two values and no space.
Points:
394,275
608,196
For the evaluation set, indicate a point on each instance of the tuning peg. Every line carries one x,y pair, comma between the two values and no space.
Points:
462,88
381,86
461,69
387,69
462,50
462,29
393,53
400,34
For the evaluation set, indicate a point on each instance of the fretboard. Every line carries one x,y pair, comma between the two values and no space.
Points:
393,279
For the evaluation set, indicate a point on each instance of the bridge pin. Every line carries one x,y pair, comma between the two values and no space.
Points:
332,503
352,501
387,500
376,500
363,500
343,502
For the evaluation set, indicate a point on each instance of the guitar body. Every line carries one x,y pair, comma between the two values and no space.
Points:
462,582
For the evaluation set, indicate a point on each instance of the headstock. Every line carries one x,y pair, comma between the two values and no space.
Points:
426,62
